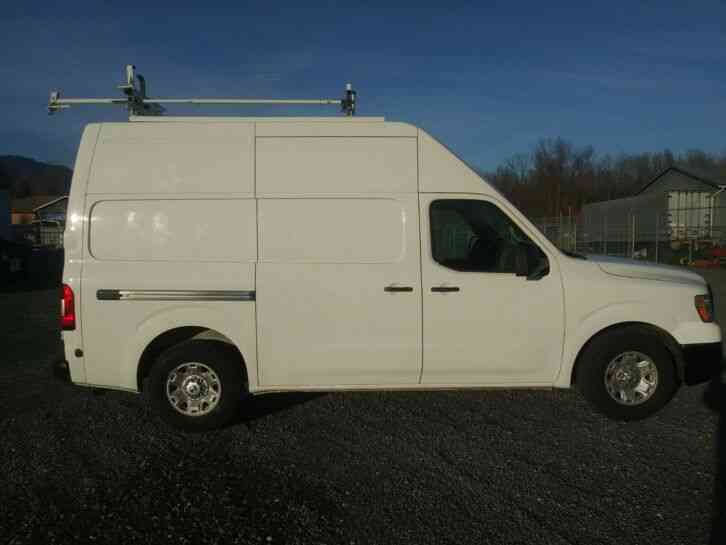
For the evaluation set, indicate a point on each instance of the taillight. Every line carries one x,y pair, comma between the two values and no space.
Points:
68,309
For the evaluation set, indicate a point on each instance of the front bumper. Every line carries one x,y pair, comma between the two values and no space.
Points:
701,362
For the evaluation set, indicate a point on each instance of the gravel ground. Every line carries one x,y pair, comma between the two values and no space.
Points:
443,467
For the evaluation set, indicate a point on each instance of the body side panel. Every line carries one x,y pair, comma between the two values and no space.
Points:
311,166
596,301
73,243
173,209
340,129
167,159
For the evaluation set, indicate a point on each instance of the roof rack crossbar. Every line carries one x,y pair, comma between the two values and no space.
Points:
138,104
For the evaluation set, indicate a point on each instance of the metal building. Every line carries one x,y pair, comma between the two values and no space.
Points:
675,206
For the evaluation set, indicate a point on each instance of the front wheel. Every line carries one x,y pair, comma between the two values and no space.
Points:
196,385
627,373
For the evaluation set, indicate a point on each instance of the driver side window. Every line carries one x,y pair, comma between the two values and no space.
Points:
476,236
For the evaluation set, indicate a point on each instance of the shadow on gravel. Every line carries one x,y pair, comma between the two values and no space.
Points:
36,268
23,285
715,399
260,406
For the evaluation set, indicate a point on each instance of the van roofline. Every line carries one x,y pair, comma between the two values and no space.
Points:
236,119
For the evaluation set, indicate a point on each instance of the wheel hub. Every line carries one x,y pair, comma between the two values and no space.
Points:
631,378
195,386
193,389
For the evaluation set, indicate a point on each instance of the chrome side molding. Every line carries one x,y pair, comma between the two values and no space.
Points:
175,295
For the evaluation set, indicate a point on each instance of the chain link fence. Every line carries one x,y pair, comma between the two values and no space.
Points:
678,236
39,234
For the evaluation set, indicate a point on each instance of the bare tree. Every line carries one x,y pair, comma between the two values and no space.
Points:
556,176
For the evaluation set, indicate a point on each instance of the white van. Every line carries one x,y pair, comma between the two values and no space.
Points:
207,259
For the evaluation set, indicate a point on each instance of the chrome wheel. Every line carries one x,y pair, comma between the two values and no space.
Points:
193,389
631,378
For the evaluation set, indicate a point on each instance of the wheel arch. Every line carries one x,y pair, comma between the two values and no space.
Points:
668,341
172,337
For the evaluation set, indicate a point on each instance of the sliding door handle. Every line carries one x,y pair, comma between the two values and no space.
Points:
397,289
444,289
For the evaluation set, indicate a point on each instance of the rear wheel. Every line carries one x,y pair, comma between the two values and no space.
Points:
196,385
627,373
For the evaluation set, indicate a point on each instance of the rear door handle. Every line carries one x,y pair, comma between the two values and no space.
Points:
444,289
397,289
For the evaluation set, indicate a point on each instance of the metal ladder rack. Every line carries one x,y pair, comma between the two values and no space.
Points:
138,104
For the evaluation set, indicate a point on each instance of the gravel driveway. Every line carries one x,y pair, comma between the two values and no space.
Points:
436,467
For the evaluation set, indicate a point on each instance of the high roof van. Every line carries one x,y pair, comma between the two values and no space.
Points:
209,259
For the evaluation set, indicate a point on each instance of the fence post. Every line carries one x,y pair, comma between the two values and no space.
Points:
632,240
630,236
574,237
605,236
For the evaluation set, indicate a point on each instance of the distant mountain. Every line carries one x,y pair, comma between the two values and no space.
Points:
27,177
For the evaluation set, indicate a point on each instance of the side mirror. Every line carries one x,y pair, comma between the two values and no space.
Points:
521,260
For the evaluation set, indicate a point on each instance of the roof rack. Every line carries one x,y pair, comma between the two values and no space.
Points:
138,104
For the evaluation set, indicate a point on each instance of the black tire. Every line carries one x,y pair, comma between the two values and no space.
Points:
219,357
603,349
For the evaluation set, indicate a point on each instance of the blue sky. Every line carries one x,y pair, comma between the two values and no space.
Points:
489,79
